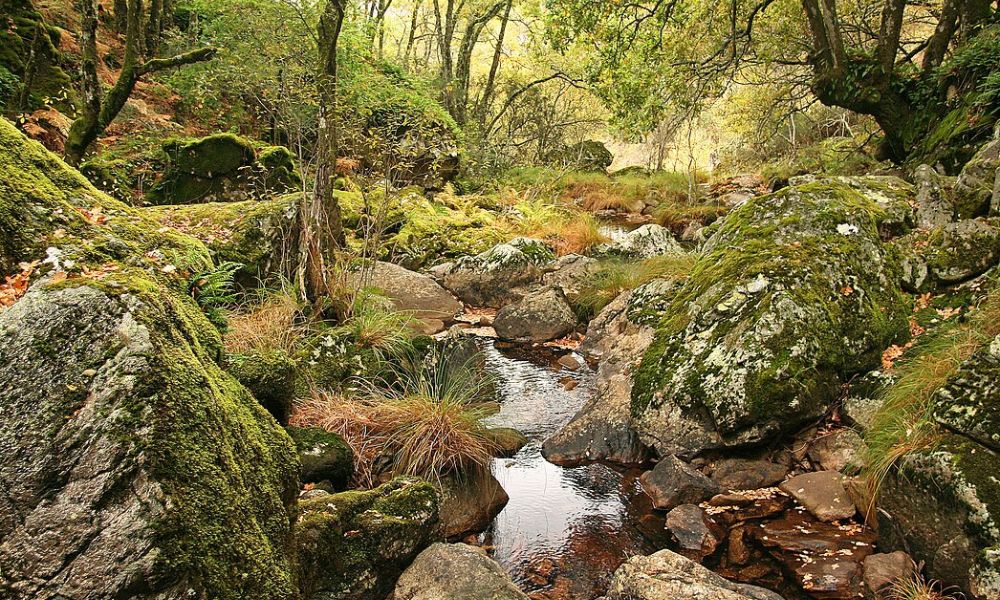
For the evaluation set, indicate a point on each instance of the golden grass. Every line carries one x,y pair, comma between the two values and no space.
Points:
268,325
615,277
916,588
426,421
904,423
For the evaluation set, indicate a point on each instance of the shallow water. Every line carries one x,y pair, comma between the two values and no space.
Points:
565,530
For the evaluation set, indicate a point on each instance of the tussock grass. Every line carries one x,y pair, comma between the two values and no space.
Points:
904,423
373,323
568,231
427,422
617,276
916,588
268,323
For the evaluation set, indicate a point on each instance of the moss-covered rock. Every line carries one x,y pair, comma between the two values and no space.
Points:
945,509
794,293
949,254
969,403
498,276
974,188
588,155
222,168
271,376
324,456
354,545
49,211
125,441
261,235
24,28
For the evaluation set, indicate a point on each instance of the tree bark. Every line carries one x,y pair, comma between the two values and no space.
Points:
121,16
99,112
944,32
320,219
459,85
412,36
154,27
487,97
31,66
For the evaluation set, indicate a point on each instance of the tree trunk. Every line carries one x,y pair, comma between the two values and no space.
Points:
99,112
487,98
31,66
322,229
412,36
121,16
459,86
154,27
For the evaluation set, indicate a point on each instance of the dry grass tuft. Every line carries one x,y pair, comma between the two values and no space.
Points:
427,423
268,325
616,277
916,588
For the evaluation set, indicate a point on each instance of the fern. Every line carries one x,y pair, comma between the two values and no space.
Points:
214,290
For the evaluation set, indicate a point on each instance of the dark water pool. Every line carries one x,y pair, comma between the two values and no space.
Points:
565,530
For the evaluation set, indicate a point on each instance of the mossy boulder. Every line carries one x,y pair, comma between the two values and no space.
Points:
793,294
324,456
127,443
588,155
222,168
354,545
969,403
271,376
949,254
49,211
644,242
261,235
23,28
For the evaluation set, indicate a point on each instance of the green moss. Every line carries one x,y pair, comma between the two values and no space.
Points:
51,85
324,456
270,376
46,204
831,156
354,545
796,284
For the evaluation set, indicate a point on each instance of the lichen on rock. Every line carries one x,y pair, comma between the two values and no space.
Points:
794,293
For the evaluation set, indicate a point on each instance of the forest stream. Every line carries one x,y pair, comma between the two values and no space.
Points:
565,530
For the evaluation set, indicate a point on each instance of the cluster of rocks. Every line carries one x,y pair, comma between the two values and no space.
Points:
795,295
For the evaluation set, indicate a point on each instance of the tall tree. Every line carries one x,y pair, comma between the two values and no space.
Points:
99,110
651,54
321,226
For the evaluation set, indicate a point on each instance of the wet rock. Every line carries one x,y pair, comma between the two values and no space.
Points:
864,399
748,506
618,336
540,316
469,504
570,362
324,457
672,482
570,272
645,242
769,299
741,474
498,276
354,545
692,530
822,493
455,572
974,187
836,450
881,570
666,575
826,559
934,204
508,440
411,292
949,254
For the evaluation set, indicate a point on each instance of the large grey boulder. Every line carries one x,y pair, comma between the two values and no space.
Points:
794,291
570,272
602,430
949,254
645,242
134,466
666,575
409,291
500,275
455,572
540,316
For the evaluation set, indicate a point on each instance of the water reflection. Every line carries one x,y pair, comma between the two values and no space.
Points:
564,531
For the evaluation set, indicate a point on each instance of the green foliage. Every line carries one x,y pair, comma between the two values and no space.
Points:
214,291
831,156
10,87
617,276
